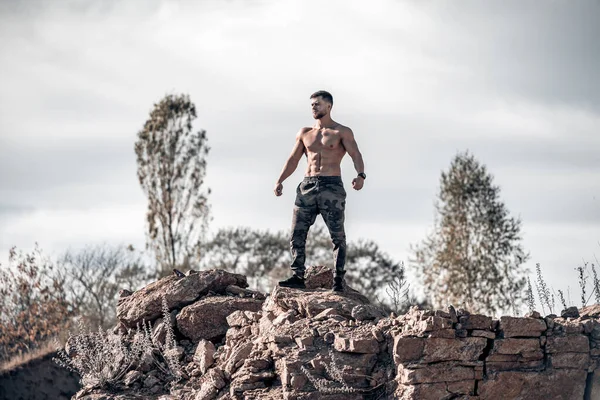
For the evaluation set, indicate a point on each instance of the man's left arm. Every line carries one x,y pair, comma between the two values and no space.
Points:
352,149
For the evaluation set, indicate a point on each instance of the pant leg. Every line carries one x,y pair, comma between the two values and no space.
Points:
305,214
332,206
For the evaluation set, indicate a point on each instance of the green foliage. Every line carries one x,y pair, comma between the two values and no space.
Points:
263,256
474,253
171,160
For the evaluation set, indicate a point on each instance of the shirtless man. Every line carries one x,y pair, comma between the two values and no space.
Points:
321,191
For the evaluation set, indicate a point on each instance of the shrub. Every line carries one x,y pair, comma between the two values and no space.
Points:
33,305
102,358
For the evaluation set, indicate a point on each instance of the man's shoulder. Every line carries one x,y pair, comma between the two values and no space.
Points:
302,132
344,130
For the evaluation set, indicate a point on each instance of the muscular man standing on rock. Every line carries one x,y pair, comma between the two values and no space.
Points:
321,191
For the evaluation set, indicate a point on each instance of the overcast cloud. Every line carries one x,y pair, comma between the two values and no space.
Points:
515,82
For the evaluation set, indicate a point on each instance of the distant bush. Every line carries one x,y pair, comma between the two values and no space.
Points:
33,304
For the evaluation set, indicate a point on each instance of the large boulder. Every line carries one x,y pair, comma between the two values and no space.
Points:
146,303
312,303
207,318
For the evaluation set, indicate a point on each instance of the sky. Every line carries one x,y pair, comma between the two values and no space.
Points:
513,82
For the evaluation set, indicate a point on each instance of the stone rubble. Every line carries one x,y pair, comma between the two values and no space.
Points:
235,343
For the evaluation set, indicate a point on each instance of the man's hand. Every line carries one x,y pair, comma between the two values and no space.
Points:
278,189
357,183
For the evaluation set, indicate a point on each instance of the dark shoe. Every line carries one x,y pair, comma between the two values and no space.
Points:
294,282
338,284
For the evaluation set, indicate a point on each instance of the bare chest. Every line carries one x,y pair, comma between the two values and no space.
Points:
318,140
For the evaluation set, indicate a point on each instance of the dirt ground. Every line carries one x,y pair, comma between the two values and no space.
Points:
39,379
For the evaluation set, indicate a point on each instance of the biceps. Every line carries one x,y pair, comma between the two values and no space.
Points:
297,151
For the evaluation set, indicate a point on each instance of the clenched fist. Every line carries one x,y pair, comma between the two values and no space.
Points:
357,183
278,189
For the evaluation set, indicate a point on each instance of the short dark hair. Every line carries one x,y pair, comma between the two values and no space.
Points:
325,95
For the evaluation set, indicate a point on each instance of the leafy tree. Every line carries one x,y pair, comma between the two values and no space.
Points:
171,160
263,256
474,254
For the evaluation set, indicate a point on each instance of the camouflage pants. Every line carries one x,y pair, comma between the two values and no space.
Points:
315,195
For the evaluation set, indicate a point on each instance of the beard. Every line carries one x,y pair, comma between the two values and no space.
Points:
318,115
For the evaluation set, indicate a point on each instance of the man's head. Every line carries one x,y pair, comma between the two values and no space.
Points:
321,103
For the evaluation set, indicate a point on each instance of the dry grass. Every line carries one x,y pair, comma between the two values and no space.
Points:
22,359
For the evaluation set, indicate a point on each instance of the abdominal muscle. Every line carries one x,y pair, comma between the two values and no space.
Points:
324,163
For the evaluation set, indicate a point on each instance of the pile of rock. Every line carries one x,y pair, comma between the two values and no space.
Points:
316,344
443,354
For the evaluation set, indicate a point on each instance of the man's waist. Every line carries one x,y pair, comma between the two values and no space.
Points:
322,178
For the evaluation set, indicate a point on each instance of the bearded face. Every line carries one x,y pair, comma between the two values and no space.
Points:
319,108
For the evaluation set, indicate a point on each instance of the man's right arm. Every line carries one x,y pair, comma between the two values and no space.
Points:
292,162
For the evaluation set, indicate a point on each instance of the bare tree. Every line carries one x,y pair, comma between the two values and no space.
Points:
474,254
171,160
93,276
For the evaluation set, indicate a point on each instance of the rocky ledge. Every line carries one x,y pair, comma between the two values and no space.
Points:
234,343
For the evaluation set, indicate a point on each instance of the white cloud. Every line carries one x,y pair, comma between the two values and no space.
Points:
417,82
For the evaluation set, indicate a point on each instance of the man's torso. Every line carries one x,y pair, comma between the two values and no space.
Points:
324,150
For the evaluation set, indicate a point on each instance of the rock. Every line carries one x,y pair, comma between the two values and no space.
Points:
146,303
450,372
234,290
329,338
533,314
571,312
318,277
325,314
550,384
131,377
159,329
237,319
568,344
285,299
239,353
353,345
305,341
204,355
476,321
516,346
521,327
407,349
592,311
485,334
377,334
570,360
207,318
210,384
443,333
150,381
452,312
175,353
443,314
509,354
439,349
434,323
364,312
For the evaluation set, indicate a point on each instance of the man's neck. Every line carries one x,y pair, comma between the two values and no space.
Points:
325,122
